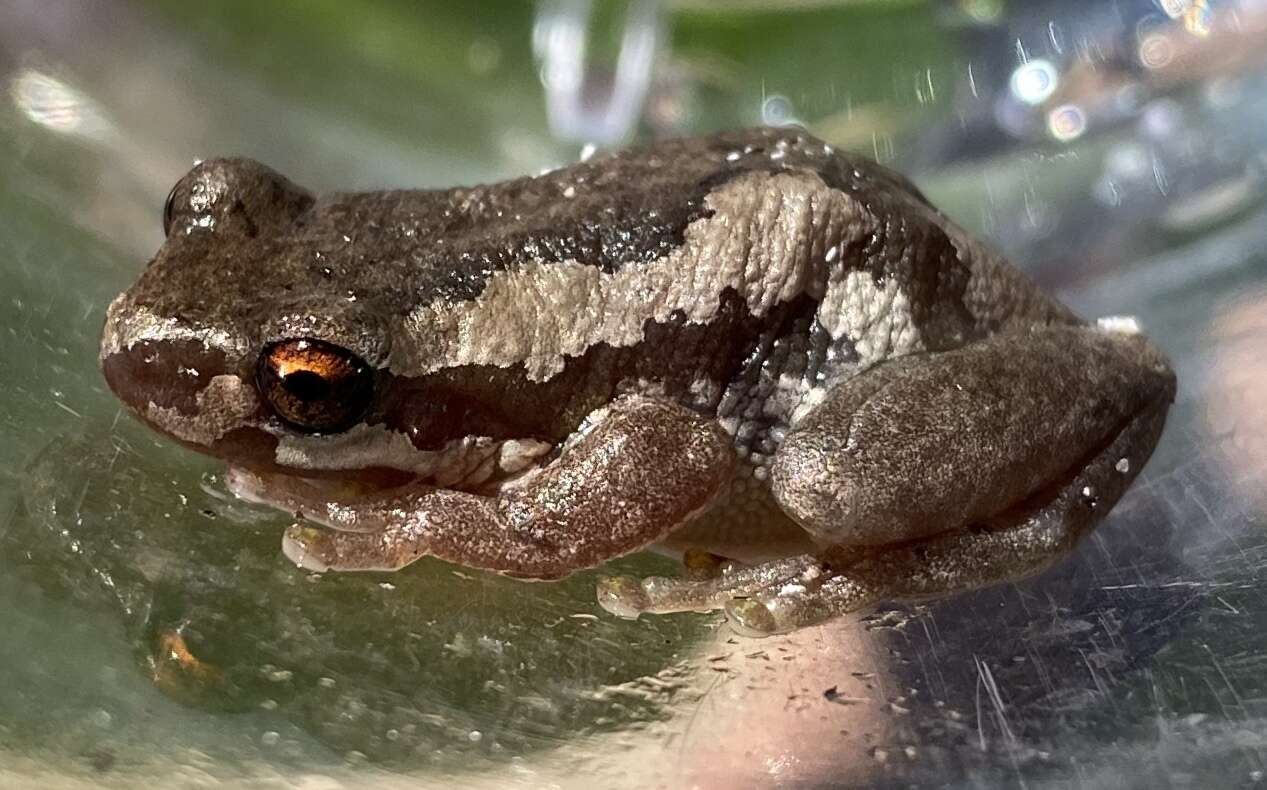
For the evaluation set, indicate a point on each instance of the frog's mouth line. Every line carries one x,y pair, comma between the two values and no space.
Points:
378,455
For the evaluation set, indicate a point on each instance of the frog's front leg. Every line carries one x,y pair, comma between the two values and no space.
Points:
642,469
941,472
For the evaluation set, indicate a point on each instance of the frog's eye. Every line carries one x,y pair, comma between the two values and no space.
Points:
233,197
169,207
315,386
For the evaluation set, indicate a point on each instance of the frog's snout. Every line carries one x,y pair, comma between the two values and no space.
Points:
183,380
169,375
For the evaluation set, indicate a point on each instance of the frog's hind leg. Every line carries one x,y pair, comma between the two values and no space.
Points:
1021,541
938,473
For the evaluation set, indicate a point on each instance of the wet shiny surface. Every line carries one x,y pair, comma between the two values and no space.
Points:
152,627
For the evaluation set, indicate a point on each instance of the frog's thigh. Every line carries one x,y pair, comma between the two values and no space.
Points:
931,443
1019,541
992,476
646,467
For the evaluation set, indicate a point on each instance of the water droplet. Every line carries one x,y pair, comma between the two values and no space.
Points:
1066,123
271,738
777,110
1198,20
1089,497
733,156
1156,51
1035,81
392,734
1123,465
475,736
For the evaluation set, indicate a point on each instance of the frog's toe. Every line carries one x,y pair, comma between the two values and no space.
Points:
626,596
622,596
749,617
304,546
760,600
815,597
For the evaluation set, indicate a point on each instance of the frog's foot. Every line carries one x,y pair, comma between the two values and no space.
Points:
762,599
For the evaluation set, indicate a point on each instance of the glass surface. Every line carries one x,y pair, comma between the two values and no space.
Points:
150,630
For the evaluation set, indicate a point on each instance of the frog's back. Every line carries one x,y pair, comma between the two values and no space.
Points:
738,271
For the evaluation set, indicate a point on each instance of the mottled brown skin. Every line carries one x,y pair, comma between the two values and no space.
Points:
720,333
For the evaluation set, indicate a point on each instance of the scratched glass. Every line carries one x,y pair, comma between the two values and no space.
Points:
151,630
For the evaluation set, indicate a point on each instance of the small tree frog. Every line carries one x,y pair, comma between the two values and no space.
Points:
771,357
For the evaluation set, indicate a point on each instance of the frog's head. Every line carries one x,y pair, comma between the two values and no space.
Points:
254,335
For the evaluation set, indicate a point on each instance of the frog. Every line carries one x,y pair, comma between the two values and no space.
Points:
772,359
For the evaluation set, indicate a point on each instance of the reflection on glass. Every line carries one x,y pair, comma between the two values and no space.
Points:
1236,404
586,101
55,105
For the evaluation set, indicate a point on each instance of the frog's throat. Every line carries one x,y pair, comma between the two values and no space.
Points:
466,463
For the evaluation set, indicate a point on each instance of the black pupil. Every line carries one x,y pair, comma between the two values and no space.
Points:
307,386
313,385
